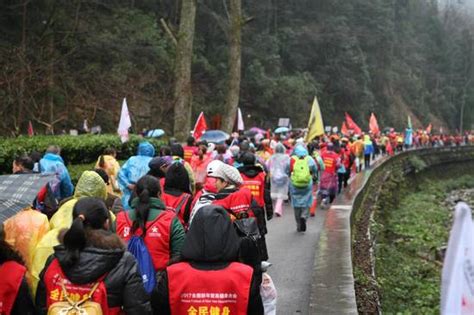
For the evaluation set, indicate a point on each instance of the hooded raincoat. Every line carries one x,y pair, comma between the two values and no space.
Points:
302,197
89,185
278,164
135,168
53,163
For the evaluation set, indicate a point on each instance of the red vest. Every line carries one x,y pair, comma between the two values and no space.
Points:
193,291
189,151
256,185
237,201
157,238
330,161
10,282
172,202
53,278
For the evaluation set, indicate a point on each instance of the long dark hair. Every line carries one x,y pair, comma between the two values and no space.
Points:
88,213
7,253
147,187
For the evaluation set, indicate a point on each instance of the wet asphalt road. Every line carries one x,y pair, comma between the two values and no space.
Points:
292,254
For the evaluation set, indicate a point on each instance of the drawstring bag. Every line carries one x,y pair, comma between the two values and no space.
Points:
136,246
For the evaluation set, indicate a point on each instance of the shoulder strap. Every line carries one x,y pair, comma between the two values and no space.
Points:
84,299
182,203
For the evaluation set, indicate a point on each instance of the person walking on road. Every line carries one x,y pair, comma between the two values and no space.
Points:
279,179
301,168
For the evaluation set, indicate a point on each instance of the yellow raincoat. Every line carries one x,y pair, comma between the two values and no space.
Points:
89,185
24,231
112,168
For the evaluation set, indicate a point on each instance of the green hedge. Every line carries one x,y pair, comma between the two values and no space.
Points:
82,149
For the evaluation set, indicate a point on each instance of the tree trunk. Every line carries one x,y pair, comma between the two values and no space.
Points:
21,86
235,52
50,78
184,53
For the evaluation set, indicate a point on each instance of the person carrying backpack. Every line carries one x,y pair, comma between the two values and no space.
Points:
161,231
209,279
177,193
301,168
91,270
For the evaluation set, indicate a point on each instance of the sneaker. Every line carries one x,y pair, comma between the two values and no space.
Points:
302,224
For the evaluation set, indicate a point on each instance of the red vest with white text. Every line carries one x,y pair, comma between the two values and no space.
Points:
194,291
236,202
256,185
157,238
12,274
53,278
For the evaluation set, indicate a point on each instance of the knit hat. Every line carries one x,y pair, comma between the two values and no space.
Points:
157,163
225,172
177,178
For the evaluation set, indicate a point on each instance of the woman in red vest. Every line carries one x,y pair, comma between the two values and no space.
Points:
162,232
209,280
177,193
92,257
15,296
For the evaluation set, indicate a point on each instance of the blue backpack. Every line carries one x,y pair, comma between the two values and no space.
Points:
136,246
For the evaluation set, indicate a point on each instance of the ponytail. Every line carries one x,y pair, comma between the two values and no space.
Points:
102,162
88,213
142,211
74,241
147,188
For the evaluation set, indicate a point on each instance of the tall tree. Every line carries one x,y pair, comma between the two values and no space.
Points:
235,59
184,55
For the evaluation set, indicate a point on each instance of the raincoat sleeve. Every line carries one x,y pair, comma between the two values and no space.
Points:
192,180
123,176
41,254
66,185
177,238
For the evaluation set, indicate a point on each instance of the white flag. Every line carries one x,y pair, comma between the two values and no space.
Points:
457,282
240,120
124,123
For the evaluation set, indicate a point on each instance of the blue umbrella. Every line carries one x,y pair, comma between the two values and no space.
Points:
155,133
215,136
282,130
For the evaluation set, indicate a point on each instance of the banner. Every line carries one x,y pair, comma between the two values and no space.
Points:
125,122
352,125
428,129
315,123
240,120
373,125
200,127
457,281
31,132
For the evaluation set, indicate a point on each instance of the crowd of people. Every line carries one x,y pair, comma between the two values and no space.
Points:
178,231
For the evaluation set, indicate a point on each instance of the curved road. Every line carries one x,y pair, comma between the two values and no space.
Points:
292,255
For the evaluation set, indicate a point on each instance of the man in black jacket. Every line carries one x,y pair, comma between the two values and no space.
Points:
211,244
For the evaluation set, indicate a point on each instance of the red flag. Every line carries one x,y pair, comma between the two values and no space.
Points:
373,125
344,129
352,125
200,127
30,129
428,129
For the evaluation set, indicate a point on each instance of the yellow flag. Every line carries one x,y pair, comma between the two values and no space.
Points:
315,124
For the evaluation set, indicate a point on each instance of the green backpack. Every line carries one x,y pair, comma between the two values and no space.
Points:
301,176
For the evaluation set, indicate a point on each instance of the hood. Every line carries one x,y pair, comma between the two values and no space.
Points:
53,157
146,149
102,253
250,170
91,185
367,140
300,151
211,237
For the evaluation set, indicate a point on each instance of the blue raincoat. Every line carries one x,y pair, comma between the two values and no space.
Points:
53,163
135,168
302,197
